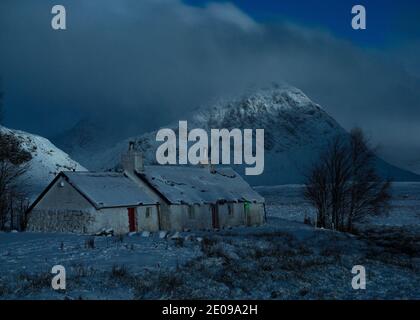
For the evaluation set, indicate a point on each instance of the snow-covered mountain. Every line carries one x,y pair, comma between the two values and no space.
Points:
82,136
95,133
47,160
296,130
413,165
85,138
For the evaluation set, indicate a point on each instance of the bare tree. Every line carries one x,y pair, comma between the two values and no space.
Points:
369,193
316,192
344,186
13,164
338,174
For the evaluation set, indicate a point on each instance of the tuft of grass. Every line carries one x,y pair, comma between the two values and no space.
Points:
79,271
164,283
90,243
34,282
119,271
4,289
179,242
207,243
168,282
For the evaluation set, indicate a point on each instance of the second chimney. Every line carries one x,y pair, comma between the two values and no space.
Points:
133,160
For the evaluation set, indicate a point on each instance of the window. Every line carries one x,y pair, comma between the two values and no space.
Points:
148,212
191,212
230,209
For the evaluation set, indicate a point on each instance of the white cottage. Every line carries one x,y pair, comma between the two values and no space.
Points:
172,198
87,202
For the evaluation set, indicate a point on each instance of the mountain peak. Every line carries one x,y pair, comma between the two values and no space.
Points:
274,98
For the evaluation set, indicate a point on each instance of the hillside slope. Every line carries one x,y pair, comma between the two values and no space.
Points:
47,160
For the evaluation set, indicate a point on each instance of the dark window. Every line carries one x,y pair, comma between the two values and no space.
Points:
191,212
230,209
148,212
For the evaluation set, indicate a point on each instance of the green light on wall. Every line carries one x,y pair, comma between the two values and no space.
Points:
247,205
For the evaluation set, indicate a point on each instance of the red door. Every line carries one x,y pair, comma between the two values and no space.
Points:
215,217
132,223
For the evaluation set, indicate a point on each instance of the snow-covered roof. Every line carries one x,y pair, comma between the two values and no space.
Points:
195,185
107,189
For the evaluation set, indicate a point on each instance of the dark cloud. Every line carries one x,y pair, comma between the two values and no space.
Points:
147,62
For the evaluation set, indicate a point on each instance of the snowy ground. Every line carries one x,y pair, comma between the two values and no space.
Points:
285,259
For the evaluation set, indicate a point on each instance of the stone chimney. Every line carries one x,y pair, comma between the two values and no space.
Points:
132,160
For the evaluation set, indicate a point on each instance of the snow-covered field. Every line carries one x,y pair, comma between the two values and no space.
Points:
284,259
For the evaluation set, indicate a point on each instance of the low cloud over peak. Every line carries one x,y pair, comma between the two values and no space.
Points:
142,64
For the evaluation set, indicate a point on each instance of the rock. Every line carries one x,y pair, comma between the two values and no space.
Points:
105,232
176,235
130,234
225,250
145,234
163,234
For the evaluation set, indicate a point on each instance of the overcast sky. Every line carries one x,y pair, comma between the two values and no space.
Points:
153,60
